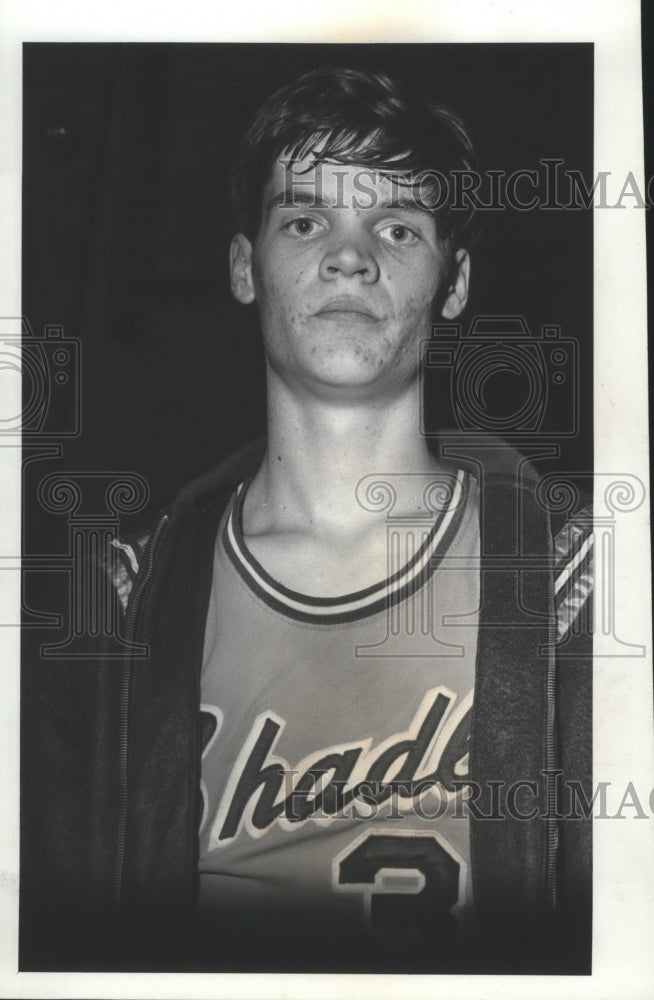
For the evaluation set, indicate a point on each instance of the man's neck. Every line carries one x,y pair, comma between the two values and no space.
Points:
319,451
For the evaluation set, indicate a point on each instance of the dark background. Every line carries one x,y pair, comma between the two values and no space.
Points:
126,225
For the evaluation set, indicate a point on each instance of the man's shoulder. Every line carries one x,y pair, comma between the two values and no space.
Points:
501,470
487,456
124,557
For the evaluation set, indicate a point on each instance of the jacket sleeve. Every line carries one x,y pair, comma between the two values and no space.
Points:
573,579
70,736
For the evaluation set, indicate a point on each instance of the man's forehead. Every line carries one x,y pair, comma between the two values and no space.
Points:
311,180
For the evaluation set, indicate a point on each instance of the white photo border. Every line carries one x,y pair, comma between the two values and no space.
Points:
623,850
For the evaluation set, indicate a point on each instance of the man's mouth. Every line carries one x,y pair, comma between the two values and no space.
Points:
345,306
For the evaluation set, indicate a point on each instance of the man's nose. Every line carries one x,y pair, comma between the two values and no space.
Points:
349,257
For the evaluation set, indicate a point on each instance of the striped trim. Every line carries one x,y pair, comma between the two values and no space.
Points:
361,603
573,582
132,562
123,566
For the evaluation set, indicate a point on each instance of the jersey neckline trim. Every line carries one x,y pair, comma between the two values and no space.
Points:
362,603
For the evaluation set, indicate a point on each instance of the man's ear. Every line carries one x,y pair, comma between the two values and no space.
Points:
240,269
457,294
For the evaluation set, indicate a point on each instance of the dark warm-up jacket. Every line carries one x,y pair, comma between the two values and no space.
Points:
111,748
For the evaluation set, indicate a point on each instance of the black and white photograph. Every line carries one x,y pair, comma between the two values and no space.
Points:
326,514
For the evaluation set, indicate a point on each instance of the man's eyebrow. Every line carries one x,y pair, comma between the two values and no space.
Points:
366,199
289,198
403,202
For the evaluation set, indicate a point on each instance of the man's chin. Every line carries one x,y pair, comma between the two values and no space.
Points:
354,383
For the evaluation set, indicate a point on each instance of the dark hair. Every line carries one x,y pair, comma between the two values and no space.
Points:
356,117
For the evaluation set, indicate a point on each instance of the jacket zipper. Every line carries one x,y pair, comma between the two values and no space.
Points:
552,829
130,633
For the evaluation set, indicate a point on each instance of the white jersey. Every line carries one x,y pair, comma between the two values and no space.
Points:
336,745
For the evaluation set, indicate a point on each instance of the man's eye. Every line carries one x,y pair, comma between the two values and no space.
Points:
398,233
302,226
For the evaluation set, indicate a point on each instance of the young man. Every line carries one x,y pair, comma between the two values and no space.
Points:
339,752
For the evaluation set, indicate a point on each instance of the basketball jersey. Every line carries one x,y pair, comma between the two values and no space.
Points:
335,746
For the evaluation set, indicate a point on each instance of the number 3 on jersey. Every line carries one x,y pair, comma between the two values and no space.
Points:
409,880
